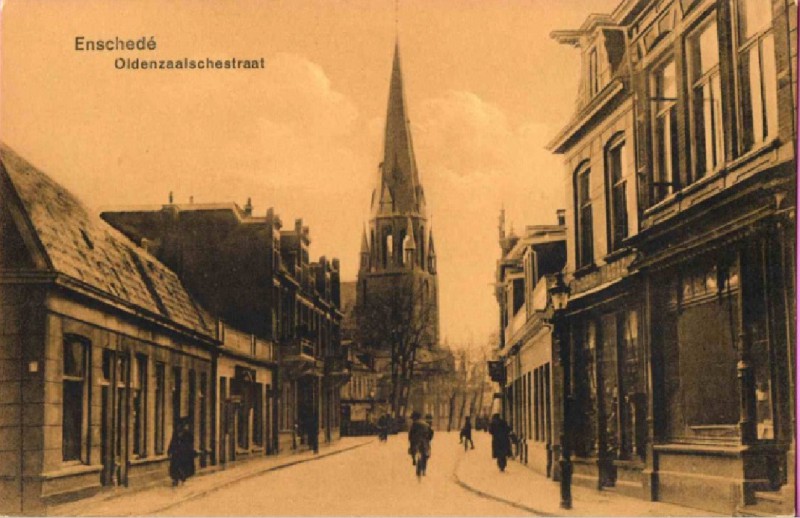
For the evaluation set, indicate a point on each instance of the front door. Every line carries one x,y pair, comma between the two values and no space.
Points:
114,415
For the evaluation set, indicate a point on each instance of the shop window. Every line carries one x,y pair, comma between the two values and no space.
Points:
664,97
75,408
258,414
586,396
160,395
583,204
617,200
757,72
547,419
139,388
706,100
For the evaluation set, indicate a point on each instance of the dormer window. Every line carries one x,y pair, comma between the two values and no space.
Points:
594,77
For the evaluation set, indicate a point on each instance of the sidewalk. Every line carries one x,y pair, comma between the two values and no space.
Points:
525,489
160,496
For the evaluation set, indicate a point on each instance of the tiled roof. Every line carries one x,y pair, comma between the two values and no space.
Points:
82,246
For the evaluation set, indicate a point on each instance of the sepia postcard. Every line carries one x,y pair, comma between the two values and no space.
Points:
398,257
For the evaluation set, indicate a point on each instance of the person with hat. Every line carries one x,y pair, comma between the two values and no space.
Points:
501,440
419,439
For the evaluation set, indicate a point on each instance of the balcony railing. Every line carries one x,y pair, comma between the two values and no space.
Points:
299,346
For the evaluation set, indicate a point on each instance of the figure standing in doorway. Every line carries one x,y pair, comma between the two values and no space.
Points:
181,453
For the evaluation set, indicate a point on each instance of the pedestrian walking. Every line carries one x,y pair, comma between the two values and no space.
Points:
419,439
383,427
466,434
313,433
501,441
181,453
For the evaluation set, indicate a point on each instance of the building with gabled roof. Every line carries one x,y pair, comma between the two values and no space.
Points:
104,351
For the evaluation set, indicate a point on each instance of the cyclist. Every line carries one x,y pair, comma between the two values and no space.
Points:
419,439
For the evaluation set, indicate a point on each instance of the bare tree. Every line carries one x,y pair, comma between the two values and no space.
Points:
398,321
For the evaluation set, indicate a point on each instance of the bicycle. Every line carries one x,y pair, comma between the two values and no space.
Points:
421,462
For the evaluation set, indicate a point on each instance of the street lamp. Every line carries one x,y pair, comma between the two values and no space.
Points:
559,296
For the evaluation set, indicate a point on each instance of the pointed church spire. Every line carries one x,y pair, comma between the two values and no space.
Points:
399,174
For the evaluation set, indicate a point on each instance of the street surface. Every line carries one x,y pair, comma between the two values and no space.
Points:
376,479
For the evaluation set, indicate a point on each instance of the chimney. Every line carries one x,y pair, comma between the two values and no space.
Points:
561,214
248,207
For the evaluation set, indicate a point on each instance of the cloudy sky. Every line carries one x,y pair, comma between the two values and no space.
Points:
486,89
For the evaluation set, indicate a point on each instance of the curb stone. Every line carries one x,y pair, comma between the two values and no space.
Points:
229,483
198,494
490,496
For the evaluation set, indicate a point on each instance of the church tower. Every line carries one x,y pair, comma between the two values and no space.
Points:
397,245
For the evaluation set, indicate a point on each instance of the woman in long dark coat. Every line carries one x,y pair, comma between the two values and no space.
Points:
181,454
501,442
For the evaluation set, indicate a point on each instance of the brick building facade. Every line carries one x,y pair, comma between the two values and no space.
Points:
681,168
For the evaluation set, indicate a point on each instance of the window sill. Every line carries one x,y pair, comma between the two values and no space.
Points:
70,469
584,270
618,253
726,169
762,149
148,460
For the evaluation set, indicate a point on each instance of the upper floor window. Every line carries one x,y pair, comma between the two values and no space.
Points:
706,100
757,72
594,78
583,205
617,200
664,96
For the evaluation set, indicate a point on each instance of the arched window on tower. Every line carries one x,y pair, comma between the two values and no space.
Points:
372,252
402,241
421,245
387,246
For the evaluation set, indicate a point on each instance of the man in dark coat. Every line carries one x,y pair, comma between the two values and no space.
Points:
419,438
181,453
501,442
383,427
313,433
466,433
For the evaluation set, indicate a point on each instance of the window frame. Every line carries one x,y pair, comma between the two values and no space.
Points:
617,142
83,442
584,257
140,384
671,180
704,79
593,69
160,408
741,49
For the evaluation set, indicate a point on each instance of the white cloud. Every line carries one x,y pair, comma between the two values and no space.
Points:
473,160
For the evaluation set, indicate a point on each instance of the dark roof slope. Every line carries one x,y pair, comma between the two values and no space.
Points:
82,246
